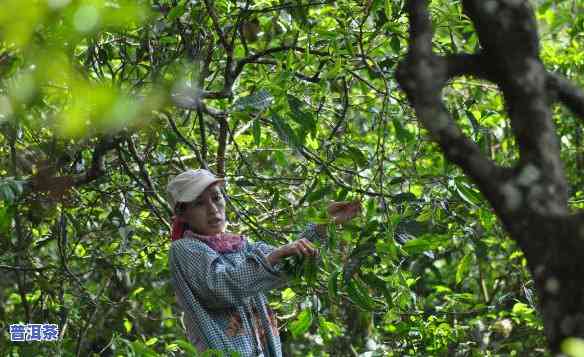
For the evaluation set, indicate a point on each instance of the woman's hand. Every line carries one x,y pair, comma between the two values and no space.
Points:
344,211
301,247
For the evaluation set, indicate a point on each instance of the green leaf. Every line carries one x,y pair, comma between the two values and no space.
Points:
257,132
573,347
333,72
521,309
403,197
418,245
318,194
6,192
329,326
302,323
171,138
187,347
387,248
142,350
545,6
360,296
463,268
288,294
303,118
467,192
357,155
395,44
413,227
375,282
403,135
481,249
258,101
300,15
285,132
342,194
473,121
388,9
137,291
332,287
127,325
356,259
426,242
6,214
80,251
16,186
310,270
177,11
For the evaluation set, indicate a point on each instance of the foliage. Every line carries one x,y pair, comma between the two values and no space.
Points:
296,104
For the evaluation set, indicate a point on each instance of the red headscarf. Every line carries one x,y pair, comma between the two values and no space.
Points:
178,228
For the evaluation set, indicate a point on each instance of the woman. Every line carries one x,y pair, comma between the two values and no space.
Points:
220,278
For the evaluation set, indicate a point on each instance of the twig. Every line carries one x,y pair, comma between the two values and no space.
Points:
21,244
97,169
62,250
146,195
203,134
570,95
221,149
343,114
89,321
21,268
184,140
289,6
144,172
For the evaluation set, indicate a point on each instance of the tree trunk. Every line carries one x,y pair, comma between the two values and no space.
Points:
531,198
554,249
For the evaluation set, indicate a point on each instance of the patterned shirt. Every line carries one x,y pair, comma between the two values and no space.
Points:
223,296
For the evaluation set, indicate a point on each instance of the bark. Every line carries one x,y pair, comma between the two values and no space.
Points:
531,198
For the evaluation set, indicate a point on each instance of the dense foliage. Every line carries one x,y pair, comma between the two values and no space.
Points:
296,104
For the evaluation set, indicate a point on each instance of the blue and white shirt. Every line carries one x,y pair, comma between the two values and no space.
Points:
223,296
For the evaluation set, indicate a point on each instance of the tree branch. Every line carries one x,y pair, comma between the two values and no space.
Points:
144,172
203,134
241,63
61,232
217,25
222,147
232,73
563,90
88,322
21,268
342,116
97,169
146,193
23,242
229,75
519,72
184,140
289,5
422,76
467,65
191,99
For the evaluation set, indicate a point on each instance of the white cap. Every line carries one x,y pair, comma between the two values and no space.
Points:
187,186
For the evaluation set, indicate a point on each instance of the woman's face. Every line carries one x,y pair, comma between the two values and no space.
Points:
206,214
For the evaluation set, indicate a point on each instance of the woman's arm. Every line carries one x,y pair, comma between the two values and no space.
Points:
300,247
340,212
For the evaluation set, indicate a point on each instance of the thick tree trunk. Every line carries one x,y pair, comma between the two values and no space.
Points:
531,199
554,249
561,298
